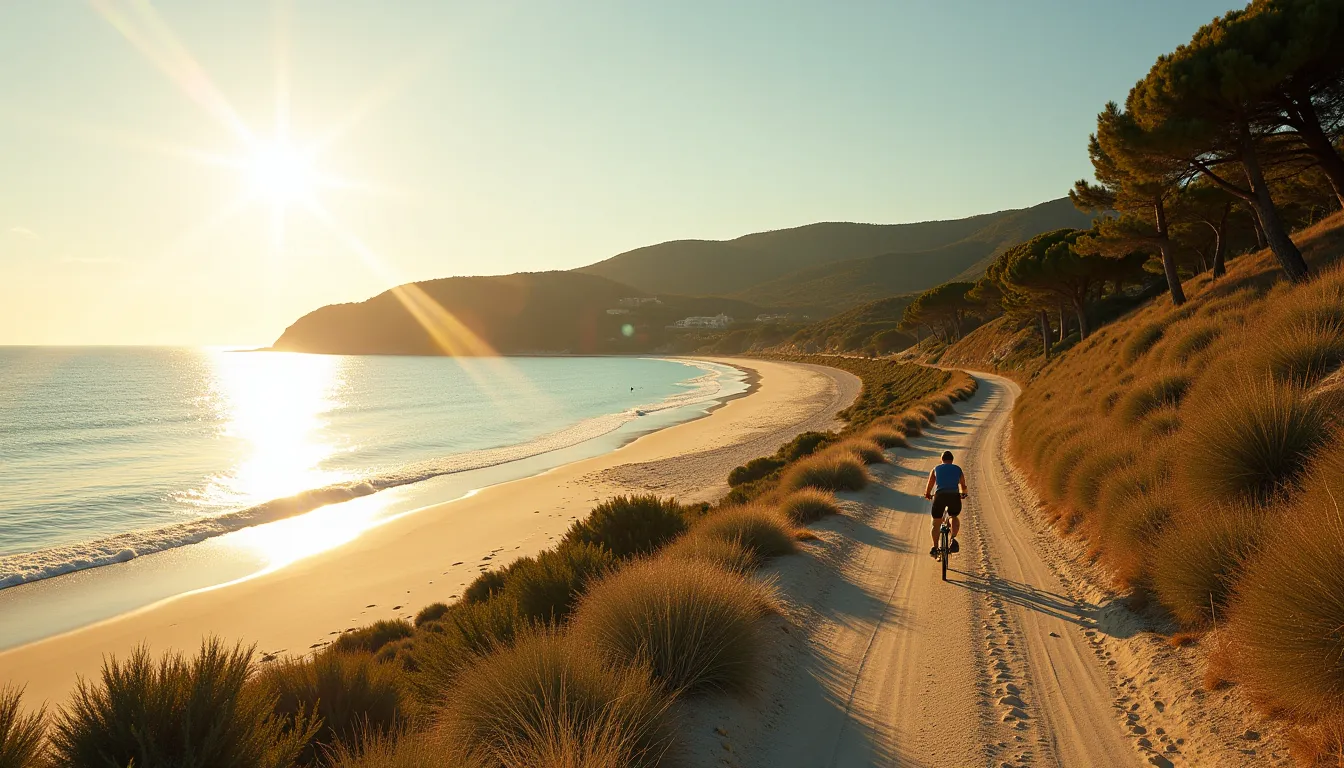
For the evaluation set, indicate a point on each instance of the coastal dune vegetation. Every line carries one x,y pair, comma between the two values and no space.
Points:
1183,359
582,655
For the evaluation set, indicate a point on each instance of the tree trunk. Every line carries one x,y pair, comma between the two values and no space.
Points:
1308,125
1080,309
1168,256
1290,258
1045,333
1063,323
1220,243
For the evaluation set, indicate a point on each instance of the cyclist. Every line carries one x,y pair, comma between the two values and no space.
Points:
943,489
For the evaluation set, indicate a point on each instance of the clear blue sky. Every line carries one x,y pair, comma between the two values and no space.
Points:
486,138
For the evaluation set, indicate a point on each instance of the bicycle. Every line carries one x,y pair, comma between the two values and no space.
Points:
944,545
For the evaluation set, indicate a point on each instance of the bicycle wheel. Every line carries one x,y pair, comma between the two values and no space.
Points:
946,547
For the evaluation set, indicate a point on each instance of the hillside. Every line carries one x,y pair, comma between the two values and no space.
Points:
871,327
520,313
750,267
855,281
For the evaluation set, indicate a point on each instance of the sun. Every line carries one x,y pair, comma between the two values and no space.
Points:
280,173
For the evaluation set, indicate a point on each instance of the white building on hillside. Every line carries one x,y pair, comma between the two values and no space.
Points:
637,301
717,321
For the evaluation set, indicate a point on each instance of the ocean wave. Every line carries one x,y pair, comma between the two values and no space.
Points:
55,561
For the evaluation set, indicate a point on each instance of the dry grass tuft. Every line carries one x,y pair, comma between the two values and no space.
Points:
887,437
369,639
1302,353
176,712
693,624
21,734
352,694
728,554
549,702
1250,442
761,530
868,451
1196,563
1140,342
1288,619
1149,395
828,471
808,506
629,525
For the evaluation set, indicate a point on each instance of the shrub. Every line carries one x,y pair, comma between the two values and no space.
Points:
1250,442
1195,563
1194,342
832,471
547,702
694,625
942,405
1148,396
887,437
1140,342
754,470
374,636
1289,611
629,525
1161,423
1062,465
868,451
431,612
423,749
1092,470
484,587
728,554
805,444
176,713
467,632
354,696
912,423
1302,353
545,588
808,506
761,531
1128,533
20,735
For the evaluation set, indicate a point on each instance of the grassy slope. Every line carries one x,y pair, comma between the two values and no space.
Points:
850,331
1172,439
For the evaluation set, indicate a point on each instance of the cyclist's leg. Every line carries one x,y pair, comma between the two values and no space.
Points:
938,511
937,521
954,510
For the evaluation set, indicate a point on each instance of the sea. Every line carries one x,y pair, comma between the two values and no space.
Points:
110,454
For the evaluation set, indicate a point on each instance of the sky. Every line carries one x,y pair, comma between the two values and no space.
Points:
189,172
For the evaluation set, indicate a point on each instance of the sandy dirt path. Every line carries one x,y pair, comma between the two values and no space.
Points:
996,667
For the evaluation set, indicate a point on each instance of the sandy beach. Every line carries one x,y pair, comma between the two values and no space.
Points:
429,555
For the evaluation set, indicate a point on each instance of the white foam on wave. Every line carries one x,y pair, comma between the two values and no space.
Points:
55,561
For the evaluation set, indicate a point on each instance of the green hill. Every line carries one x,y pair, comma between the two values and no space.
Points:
521,313
856,281
871,327
766,268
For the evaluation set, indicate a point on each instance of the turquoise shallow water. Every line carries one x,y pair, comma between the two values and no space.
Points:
107,454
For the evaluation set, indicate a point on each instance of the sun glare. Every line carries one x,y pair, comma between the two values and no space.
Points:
280,174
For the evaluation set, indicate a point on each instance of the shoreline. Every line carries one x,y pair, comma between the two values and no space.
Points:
429,555
22,568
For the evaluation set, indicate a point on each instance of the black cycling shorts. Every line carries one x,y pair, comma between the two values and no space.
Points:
946,503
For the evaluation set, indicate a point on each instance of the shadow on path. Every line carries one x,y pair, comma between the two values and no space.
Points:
1079,612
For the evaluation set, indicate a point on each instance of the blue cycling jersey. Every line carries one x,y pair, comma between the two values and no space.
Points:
946,477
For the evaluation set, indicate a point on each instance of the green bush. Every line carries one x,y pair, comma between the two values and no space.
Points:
1196,563
20,734
467,632
352,694
831,471
754,470
694,625
374,636
803,445
1288,617
549,702
546,588
483,587
629,525
1250,442
176,713
808,506
762,531
431,612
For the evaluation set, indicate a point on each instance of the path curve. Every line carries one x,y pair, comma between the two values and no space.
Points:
894,667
